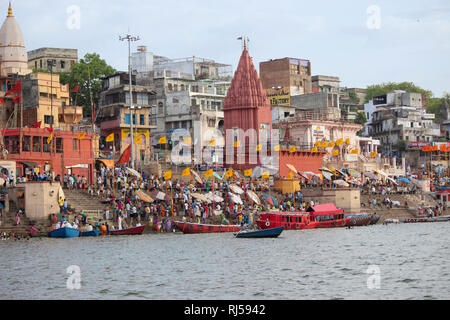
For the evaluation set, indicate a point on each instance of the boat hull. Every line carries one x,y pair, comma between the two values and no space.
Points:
93,233
131,231
358,220
65,233
267,233
418,220
374,220
190,228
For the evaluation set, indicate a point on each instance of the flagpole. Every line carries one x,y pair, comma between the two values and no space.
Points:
165,161
171,195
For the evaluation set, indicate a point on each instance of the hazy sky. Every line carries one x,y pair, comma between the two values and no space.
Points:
362,42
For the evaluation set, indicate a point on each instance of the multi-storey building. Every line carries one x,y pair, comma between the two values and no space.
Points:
188,93
63,59
284,78
115,118
399,118
45,101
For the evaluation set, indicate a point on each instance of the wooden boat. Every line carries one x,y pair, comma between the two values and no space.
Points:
93,233
65,233
288,220
129,231
425,219
320,216
189,227
374,219
328,216
267,233
359,219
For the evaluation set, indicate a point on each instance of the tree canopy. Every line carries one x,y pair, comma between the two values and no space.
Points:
384,88
87,73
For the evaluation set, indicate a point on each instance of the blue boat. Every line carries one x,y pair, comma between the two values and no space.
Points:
93,233
266,233
65,233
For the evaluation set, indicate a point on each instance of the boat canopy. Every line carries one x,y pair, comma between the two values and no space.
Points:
326,207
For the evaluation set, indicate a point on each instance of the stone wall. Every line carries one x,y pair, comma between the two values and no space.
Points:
344,198
41,199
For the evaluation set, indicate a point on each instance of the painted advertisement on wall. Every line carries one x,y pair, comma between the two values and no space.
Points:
279,96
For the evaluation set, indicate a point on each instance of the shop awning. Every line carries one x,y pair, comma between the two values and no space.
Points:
81,165
107,162
29,164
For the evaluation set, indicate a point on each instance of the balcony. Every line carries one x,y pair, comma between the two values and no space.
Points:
70,114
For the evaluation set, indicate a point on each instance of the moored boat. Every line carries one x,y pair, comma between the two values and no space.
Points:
359,219
189,227
374,219
267,233
130,231
425,219
320,216
65,232
93,233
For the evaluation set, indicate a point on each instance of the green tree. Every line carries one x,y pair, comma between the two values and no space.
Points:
87,73
353,97
384,88
434,105
361,118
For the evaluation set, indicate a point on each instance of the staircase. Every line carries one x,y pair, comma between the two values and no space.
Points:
8,223
78,201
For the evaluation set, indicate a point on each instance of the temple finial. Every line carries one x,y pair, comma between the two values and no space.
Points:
10,12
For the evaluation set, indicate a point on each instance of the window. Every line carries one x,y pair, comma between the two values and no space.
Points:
35,64
26,143
75,144
160,108
63,64
48,119
141,119
46,146
127,118
37,144
59,145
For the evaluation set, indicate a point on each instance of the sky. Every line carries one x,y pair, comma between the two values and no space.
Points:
361,42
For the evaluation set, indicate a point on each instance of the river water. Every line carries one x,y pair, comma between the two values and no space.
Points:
404,261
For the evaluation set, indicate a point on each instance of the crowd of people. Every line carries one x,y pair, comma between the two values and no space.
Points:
124,208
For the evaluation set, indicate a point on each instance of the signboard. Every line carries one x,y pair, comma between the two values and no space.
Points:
417,145
380,100
350,157
279,96
318,132
126,132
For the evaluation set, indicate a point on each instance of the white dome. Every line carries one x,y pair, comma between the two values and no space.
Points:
13,55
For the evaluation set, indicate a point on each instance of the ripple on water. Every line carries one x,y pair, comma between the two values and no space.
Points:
329,264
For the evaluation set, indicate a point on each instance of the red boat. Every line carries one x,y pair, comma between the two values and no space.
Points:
320,216
189,227
130,231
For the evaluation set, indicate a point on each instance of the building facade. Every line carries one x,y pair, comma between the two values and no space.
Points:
284,78
397,118
63,59
114,115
